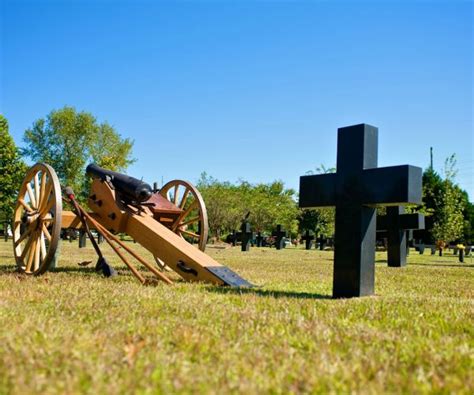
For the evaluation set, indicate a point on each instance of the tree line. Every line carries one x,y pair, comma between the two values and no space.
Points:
68,140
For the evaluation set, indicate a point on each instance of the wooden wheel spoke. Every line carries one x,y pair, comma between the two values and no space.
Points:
37,189
175,197
31,256
25,234
16,226
184,214
43,186
43,247
26,248
192,220
185,198
48,206
46,232
25,205
31,194
47,198
195,235
37,255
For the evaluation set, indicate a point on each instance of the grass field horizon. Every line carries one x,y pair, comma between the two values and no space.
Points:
73,331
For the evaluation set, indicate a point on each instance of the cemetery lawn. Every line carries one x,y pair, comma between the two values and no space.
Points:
73,331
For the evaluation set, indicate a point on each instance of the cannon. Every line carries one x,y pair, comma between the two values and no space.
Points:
171,223
130,188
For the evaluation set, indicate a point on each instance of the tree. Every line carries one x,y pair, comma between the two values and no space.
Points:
227,204
222,204
109,151
449,223
468,214
68,140
271,204
12,171
322,169
319,220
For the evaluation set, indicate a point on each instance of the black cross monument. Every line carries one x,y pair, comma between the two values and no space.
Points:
395,223
356,189
279,235
246,235
308,238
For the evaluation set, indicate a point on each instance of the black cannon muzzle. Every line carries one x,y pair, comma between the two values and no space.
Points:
130,188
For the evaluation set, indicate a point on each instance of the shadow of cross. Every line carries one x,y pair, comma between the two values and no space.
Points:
395,223
355,190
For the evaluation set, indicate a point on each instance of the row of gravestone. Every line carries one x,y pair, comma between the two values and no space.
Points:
394,226
248,238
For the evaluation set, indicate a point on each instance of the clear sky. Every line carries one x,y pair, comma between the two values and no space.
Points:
253,90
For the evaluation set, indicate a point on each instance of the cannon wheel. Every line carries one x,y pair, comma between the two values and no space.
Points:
194,217
192,224
37,220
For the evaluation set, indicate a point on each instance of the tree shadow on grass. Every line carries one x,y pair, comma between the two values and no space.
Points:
8,269
382,261
459,265
268,293
75,269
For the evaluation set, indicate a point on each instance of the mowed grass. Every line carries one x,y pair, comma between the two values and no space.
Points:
73,331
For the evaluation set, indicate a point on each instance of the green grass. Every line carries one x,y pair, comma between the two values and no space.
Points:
73,331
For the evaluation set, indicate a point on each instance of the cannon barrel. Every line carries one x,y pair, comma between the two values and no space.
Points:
129,187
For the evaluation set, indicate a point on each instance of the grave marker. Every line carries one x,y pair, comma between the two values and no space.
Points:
356,189
259,239
308,238
395,224
82,239
246,235
233,238
321,242
280,235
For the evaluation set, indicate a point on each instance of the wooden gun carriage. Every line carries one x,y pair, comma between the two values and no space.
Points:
165,222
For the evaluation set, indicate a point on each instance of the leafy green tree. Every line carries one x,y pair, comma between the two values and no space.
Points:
227,204
272,204
468,214
12,171
432,189
321,169
68,140
319,220
449,223
109,150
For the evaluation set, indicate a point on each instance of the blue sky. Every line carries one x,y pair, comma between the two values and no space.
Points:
251,90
